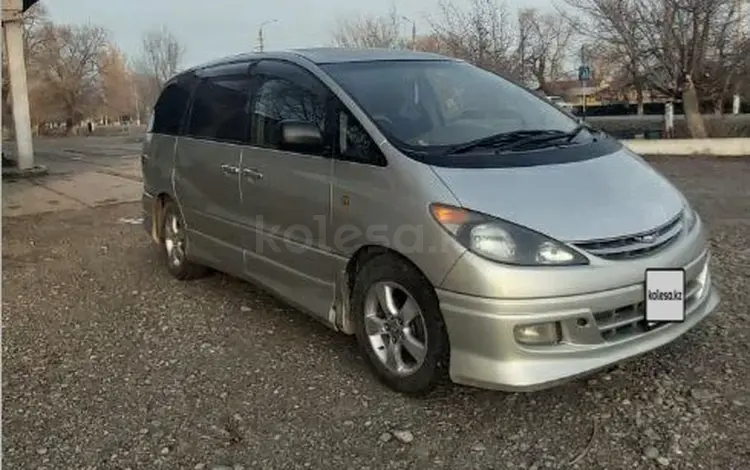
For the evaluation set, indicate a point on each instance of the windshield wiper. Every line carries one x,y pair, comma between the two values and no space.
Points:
538,139
512,137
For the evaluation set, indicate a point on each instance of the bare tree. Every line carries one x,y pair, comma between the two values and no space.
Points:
544,44
67,64
116,83
369,31
481,34
624,67
616,38
686,49
429,43
743,86
160,59
161,54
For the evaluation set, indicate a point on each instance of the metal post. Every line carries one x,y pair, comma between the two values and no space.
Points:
137,105
13,29
583,87
669,119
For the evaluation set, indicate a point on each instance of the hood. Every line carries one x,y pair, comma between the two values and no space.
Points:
605,197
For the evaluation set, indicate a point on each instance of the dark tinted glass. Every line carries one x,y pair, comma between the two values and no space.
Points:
279,99
219,110
170,108
441,103
355,143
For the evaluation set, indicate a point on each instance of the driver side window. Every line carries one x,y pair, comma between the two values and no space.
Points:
279,100
355,144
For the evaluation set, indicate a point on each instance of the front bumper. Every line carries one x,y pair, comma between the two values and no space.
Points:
486,354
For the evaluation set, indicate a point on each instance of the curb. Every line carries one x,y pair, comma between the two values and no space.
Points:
729,147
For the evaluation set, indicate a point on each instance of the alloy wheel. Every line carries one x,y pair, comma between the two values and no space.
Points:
395,327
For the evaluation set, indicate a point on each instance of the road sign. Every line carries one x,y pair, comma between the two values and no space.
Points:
584,72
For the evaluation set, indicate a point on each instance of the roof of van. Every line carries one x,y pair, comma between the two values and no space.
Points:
328,55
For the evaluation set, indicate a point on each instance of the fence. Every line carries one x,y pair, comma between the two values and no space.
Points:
652,126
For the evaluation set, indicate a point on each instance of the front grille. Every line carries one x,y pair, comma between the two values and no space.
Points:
624,322
637,245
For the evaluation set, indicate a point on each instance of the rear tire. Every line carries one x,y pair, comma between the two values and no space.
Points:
399,326
174,246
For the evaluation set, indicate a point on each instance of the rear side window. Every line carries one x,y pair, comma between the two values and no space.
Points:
219,110
169,109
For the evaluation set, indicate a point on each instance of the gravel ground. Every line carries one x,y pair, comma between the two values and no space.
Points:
111,364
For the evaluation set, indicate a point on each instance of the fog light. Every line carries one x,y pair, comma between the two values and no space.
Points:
539,334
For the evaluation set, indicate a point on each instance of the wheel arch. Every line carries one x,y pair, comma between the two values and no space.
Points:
347,278
157,215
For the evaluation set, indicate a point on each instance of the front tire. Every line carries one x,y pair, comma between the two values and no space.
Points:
174,246
399,326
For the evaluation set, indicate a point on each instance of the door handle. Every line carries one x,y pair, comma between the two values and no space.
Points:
252,174
230,170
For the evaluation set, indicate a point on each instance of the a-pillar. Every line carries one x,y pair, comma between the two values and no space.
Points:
19,92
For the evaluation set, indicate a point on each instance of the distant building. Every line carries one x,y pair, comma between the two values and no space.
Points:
572,91
602,92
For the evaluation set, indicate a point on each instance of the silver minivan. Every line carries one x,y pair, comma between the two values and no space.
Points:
456,223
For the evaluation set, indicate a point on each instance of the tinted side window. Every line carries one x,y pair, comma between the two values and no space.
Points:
355,144
169,109
279,99
219,110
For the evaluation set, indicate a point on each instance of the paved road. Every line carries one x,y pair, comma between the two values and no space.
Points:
110,364
74,154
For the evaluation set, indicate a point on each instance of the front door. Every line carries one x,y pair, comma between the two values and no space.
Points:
207,170
286,195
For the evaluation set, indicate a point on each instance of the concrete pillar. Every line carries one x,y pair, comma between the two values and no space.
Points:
19,92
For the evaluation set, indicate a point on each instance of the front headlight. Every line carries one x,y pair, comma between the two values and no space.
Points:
504,241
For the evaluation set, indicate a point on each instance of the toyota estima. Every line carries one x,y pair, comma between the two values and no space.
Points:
455,222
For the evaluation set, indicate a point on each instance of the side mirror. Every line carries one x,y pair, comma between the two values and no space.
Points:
301,136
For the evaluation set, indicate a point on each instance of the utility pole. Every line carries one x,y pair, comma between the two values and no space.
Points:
413,32
261,45
413,36
12,22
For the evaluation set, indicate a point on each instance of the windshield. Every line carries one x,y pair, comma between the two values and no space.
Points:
426,104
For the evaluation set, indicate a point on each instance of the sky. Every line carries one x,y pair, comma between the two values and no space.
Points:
217,28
